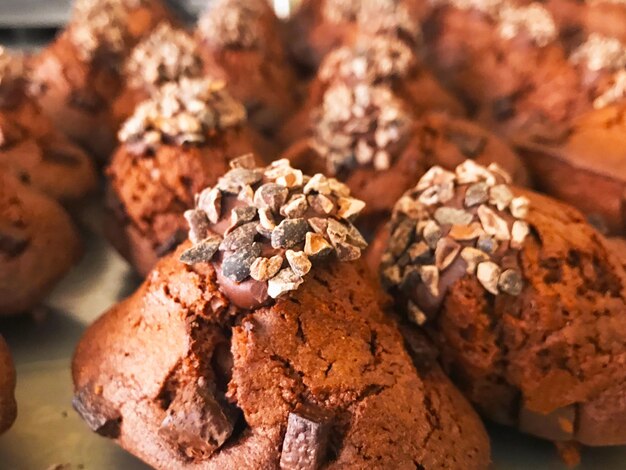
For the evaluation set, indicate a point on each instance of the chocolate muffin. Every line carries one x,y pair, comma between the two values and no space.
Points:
77,77
38,245
321,26
175,144
507,63
31,147
377,60
167,55
240,42
8,409
587,167
523,298
365,136
268,348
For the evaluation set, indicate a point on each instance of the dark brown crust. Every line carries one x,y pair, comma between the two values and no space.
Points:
385,414
8,408
431,144
149,193
547,361
50,245
572,171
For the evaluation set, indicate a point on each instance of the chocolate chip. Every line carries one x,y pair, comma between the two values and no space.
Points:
285,281
446,252
321,204
271,196
198,224
319,224
431,233
60,154
202,252
493,224
210,201
487,244
263,269
452,216
306,441
316,246
100,415
401,237
196,424
240,237
503,108
488,274
299,262
236,266
354,236
477,193
244,161
296,207
86,99
469,145
510,282
13,241
419,252
289,233
241,215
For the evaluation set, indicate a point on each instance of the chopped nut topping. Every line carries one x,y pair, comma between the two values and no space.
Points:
614,93
372,59
274,227
600,52
359,125
474,227
183,112
235,23
101,25
167,55
533,19
373,16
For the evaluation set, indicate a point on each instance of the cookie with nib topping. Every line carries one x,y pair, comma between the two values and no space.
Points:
240,41
364,135
517,291
263,342
77,77
176,143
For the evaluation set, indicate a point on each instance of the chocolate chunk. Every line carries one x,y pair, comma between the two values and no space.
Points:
289,233
13,241
240,237
401,237
503,108
197,424
100,415
61,155
470,145
198,224
271,196
285,281
236,266
241,215
202,252
477,193
86,99
306,440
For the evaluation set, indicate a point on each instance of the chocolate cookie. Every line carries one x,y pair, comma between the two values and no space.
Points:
320,26
585,168
523,298
77,77
240,42
269,349
366,137
8,409
173,146
166,55
38,245
377,60
31,147
506,61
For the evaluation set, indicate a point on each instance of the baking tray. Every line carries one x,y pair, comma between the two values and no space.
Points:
49,435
